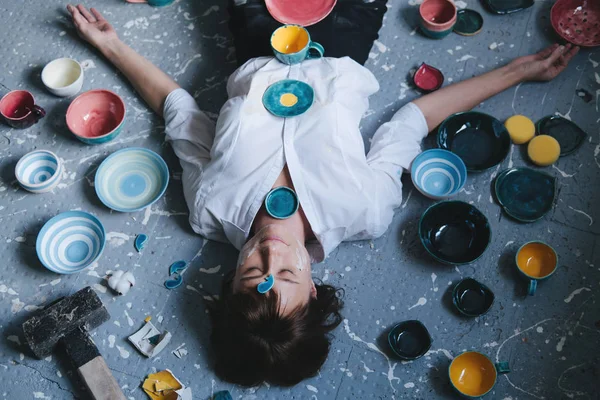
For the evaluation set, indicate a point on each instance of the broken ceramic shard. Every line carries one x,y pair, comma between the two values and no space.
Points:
428,78
164,385
140,242
121,282
174,283
149,341
177,267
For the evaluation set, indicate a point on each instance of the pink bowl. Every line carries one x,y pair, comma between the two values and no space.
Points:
437,15
96,116
577,21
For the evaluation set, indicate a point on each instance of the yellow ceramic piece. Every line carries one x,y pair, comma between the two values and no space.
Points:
290,39
536,260
161,386
520,128
473,374
148,318
288,99
543,150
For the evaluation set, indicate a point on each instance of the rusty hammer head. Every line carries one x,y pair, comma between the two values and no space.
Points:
69,316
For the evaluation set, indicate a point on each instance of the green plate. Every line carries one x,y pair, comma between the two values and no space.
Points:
468,22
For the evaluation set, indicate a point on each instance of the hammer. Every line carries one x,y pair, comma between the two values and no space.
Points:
67,322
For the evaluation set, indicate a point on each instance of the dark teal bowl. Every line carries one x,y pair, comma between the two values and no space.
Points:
472,298
409,340
454,232
479,139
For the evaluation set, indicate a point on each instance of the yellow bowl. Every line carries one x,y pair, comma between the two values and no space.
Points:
473,374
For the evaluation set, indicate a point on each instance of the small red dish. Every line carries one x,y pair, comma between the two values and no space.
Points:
300,12
577,21
428,78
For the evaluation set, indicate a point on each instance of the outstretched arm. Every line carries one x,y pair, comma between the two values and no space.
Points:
147,79
463,96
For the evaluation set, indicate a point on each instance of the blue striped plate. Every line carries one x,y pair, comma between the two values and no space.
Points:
131,179
70,242
39,171
438,173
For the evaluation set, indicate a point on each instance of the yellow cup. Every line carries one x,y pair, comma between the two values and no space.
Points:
291,45
472,374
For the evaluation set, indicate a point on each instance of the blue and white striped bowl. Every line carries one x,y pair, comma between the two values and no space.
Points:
70,242
39,171
131,179
438,173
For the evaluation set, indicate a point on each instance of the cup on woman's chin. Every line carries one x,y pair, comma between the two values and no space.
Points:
19,110
291,44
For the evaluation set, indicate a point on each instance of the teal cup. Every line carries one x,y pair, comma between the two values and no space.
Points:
291,44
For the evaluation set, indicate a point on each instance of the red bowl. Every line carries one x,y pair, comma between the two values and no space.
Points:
96,116
577,21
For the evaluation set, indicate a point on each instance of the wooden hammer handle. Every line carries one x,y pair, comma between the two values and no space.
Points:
100,381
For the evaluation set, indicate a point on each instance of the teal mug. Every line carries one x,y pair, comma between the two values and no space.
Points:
291,44
536,261
473,374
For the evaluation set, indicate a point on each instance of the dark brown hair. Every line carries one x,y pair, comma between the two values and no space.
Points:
252,343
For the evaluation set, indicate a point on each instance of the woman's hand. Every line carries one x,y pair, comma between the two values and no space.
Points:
92,27
545,65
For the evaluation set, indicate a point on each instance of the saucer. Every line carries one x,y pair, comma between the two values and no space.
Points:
131,179
568,134
480,140
288,98
525,194
454,232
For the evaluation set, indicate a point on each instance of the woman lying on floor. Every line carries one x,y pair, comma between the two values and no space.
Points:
282,336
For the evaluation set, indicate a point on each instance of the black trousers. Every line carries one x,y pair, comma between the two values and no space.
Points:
349,30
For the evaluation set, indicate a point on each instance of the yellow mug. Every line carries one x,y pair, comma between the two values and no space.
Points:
291,44
472,374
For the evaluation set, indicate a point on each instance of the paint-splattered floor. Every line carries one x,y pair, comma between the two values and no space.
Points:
551,339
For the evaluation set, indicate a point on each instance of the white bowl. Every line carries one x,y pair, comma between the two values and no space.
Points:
63,77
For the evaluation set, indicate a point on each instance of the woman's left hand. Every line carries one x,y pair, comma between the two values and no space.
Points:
545,65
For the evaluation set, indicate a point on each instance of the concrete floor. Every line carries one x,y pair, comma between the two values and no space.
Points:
551,340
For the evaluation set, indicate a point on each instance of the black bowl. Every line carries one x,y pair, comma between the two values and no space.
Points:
409,340
479,139
454,232
472,298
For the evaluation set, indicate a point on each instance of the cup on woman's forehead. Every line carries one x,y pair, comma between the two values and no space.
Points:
291,44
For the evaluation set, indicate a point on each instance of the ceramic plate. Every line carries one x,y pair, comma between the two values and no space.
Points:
566,133
468,22
507,6
428,78
70,242
454,232
479,139
525,194
131,179
288,98
300,12
577,21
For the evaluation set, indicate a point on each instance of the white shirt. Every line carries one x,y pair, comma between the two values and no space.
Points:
228,169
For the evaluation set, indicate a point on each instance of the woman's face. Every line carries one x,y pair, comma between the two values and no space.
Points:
274,250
